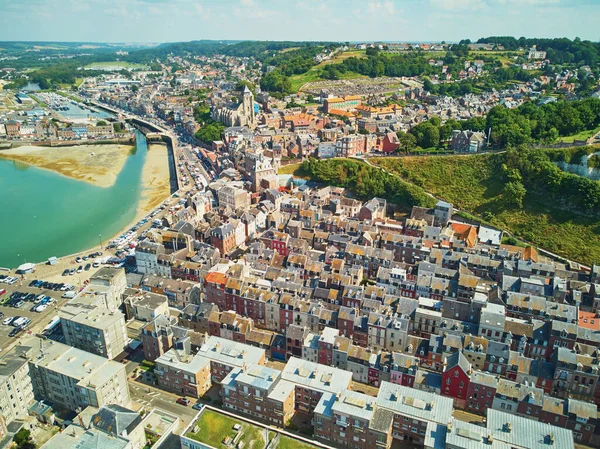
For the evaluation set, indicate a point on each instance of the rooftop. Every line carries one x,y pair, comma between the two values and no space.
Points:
316,376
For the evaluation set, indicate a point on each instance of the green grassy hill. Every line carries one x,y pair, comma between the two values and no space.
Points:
475,184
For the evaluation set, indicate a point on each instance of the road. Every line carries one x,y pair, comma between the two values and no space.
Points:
148,397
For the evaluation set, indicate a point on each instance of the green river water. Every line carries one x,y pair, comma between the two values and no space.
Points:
45,214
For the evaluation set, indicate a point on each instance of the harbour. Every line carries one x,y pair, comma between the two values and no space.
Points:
47,214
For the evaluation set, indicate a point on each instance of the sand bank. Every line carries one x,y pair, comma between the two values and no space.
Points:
156,185
96,164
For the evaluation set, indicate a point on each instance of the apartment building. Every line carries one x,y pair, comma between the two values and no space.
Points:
146,257
225,355
182,373
93,329
16,390
312,380
74,378
115,281
416,413
161,335
233,198
259,392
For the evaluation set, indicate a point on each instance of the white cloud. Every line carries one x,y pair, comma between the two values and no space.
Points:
530,2
381,7
458,4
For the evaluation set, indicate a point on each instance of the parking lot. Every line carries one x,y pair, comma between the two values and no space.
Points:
38,319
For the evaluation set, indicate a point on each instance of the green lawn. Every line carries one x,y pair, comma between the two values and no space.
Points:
290,169
121,64
38,101
214,427
314,73
350,54
474,184
583,135
290,443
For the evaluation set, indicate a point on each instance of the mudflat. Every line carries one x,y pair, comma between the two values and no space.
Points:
96,164
156,185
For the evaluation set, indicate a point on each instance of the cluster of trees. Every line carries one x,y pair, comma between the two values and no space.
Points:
531,170
366,181
432,133
531,123
381,64
210,130
275,81
448,89
559,50
293,62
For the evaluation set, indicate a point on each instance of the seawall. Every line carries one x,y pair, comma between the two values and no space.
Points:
128,140
153,135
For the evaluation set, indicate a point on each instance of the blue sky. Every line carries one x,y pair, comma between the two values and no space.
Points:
339,20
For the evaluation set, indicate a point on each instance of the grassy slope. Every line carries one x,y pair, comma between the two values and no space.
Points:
583,135
314,74
474,184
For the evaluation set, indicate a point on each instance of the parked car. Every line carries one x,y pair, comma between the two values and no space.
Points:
41,308
8,320
66,272
15,332
197,406
184,401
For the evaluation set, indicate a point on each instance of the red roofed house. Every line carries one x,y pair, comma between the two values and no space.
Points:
390,143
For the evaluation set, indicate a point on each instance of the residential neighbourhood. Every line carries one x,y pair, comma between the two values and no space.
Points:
254,305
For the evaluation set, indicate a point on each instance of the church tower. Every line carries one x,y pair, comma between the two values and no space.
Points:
248,106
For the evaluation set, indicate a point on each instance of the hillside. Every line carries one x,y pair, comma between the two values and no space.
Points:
559,211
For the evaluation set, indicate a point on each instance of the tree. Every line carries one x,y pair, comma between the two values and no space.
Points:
23,439
513,194
101,123
407,141
239,86
431,137
209,133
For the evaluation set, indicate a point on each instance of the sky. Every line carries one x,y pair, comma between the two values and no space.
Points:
327,20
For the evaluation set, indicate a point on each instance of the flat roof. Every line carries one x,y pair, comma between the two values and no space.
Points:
316,376
188,363
83,366
415,403
230,352
526,432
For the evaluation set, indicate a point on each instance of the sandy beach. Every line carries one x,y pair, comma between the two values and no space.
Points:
156,185
96,164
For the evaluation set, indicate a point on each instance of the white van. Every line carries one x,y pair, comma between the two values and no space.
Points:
69,295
